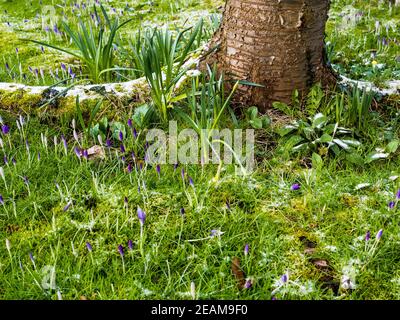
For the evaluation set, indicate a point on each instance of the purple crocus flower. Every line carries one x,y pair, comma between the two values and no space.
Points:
391,204
130,168
7,66
228,205
141,216
191,182
121,250
108,143
1,200
5,129
89,246
121,136
31,257
284,278
14,162
246,249
130,123
248,284
183,174
176,166
77,152
216,233
26,180
398,194
5,159
295,187
158,168
85,154
64,141
63,66
182,211
135,134
130,245
379,234
368,236
122,148
67,206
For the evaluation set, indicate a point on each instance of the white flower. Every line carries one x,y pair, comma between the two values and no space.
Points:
193,73
347,283
8,245
331,248
193,290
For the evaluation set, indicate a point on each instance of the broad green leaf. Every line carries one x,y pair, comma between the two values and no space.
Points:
392,146
355,158
325,138
319,121
376,156
317,161
286,130
252,113
342,144
256,123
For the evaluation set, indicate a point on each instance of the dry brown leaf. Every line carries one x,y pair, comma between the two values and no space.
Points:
321,264
309,250
96,152
237,272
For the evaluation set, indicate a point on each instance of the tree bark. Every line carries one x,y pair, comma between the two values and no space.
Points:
276,43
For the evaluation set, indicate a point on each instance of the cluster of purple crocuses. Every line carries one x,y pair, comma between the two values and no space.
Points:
393,204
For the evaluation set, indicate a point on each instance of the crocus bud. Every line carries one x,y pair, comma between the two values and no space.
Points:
141,216
295,187
89,246
246,249
5,129
121,250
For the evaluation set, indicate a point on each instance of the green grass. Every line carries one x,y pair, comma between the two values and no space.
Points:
264,212
315,235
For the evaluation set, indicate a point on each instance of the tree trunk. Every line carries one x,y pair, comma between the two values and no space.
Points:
276,43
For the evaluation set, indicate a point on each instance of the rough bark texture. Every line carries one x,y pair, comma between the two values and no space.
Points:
276,43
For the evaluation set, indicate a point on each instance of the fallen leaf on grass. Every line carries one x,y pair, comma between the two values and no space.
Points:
96,152
238,273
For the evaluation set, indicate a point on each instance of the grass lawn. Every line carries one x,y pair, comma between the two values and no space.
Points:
316,219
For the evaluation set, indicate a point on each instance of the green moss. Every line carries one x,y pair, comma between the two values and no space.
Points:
19,100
